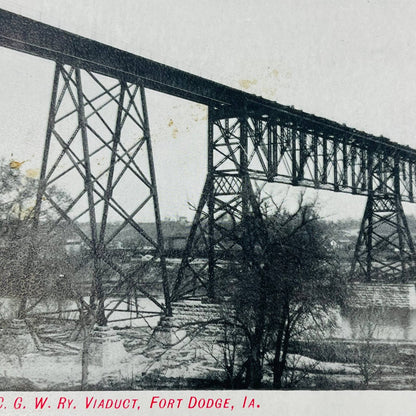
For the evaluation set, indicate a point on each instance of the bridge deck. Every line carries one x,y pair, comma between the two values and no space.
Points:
301,138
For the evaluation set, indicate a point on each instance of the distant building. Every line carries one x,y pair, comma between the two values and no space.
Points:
341,244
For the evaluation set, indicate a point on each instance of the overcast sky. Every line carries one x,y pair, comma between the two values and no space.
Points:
350,61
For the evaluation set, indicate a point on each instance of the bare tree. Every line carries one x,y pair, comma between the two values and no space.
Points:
367,351
285,282
31,259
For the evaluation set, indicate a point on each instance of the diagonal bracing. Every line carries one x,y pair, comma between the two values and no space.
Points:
98,149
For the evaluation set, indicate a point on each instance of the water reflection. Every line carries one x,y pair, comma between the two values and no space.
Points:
384,323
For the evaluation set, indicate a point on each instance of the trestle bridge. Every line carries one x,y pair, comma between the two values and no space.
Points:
98,104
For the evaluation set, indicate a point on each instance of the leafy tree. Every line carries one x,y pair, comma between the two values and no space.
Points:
285,282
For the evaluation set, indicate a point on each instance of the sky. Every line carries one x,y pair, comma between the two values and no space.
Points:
350,61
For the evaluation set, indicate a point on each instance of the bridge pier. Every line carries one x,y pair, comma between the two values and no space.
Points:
98,145
384,249
226,200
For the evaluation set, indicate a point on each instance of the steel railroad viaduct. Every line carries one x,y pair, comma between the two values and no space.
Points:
98,99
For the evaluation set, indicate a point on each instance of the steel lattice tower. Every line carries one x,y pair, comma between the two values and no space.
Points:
385,249
98,137
226,200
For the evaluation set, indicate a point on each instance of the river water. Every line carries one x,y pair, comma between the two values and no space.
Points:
377,323
352,323
147,313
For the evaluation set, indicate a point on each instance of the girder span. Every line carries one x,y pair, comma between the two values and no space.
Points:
281,151
39,39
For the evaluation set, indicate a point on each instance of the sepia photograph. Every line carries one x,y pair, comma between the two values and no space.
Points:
206,196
